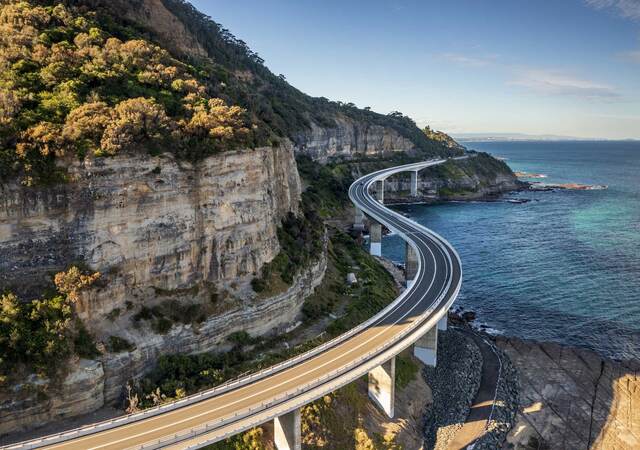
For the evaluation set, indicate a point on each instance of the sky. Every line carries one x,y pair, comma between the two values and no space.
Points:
561,67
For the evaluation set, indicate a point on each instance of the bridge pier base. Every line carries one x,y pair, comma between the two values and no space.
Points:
287,431
410,264
426,349
442,323
358,224
414,184
382,386
380,190
375,238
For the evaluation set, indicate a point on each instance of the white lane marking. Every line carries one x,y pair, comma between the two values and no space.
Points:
280,384
403,222
311,370
284,369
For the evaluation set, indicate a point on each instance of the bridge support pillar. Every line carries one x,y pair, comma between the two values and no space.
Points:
410,263
358,220
382,386
414,184
375,238
442,323
380,190
426,349
287,431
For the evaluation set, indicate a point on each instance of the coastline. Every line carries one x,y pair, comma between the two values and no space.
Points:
569,397
566,396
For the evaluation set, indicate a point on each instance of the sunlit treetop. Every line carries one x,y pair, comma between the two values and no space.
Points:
68,89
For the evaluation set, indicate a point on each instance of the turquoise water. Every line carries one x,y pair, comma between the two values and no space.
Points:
563,267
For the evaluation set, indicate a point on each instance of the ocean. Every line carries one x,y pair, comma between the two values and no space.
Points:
564,266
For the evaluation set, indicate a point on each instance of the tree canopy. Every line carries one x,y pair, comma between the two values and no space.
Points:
70,89
42,334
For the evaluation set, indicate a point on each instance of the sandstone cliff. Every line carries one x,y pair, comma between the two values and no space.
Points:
149,223
350,138
158,230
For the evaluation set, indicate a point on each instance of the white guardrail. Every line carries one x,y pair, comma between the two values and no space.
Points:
341,376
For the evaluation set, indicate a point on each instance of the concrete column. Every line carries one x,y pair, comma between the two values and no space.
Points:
410,263
380,190
442,323
287,431
375,237
358,221
426,349
382,386
414,184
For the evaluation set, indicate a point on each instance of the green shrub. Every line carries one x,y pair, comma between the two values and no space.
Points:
42,334
406,370
161,325
117,344
241,338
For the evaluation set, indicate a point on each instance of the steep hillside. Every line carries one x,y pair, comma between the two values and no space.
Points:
145,149
318,127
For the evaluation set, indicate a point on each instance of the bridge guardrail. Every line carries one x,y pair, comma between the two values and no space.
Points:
359,361
112,423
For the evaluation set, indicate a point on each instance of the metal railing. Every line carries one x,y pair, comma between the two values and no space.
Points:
372,356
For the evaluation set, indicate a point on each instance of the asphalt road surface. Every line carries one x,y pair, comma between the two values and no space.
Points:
218,413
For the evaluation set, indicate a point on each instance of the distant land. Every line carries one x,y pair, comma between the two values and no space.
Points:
466,137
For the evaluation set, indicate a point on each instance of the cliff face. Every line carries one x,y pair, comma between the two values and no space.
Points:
350,138
159,230
149,223
36,402
90,385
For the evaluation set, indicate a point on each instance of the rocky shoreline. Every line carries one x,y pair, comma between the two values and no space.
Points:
548,395
454,383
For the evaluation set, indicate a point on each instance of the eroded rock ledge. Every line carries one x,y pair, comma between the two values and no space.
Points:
92,384
572,398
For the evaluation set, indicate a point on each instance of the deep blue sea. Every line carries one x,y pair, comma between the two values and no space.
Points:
563,267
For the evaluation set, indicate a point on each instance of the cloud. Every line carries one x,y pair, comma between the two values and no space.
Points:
548,82
469,61
629,9
630,56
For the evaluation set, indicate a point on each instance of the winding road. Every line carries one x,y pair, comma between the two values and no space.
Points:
229,409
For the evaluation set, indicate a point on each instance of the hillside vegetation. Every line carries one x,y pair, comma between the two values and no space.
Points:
239,75
78,79
40,336
74,84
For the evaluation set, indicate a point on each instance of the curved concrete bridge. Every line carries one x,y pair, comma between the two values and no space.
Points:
434,277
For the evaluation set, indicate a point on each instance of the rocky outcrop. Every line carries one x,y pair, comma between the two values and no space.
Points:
37,401
571,398
90,385
149,224
477,177
349,138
